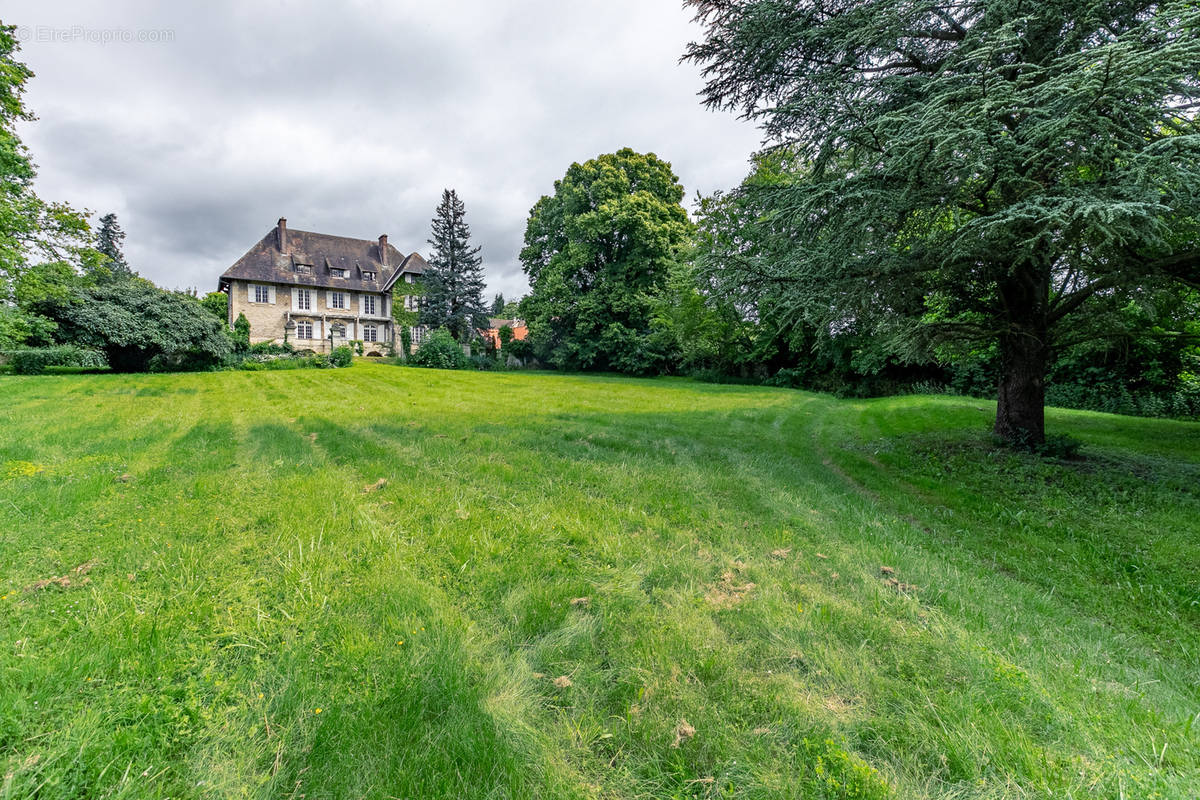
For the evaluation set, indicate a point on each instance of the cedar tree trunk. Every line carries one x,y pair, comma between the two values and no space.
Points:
1024,348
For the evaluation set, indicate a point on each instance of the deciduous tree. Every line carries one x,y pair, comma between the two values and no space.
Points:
596,251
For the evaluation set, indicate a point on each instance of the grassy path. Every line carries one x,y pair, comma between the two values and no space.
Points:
561,570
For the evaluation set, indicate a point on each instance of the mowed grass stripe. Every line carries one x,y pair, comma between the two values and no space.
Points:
728,541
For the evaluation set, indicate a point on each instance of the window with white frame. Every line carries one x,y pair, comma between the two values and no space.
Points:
370,333
304,299
337,272
418,334
304,329
368,276
337,300
368,304
261,294
410,302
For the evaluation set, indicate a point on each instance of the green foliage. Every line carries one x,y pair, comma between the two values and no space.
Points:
488,361
270,362
406,341
34,361
139,326
505,334
31,230
109,241
966,177
498,304
241,334
519,348
596,252
19,328
440,350
217,304
271,348
342,356
453,282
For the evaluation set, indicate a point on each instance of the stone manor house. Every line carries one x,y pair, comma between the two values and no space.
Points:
319,291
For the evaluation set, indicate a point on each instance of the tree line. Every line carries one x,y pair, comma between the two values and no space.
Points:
983,194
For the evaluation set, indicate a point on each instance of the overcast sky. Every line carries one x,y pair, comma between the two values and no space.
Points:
201,124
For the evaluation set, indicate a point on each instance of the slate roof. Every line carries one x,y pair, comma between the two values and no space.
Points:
310,258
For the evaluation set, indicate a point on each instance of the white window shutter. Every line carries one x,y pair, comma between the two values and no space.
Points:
295,299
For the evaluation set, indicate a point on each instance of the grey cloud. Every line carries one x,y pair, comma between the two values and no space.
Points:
351,118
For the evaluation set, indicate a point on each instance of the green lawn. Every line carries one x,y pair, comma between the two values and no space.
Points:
560,570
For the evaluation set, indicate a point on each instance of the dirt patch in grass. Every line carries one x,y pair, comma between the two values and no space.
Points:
74,577
683,732
728,593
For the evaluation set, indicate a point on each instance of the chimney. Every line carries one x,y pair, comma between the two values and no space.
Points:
383,249
281,233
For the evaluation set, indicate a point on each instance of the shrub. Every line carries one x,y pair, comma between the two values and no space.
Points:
440,351
261,362
341,356
135,323
241,334
519,348
487,361
35,360
271,348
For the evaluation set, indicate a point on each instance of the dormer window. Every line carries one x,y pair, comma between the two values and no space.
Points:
368,276
337,272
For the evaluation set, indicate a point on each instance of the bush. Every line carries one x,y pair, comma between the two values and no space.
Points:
440,351
136,324
519,348
263,362
341,356
271,348
34,361
241,334
487,362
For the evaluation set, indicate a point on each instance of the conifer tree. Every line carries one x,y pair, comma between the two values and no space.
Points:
454,281
978,173
109,241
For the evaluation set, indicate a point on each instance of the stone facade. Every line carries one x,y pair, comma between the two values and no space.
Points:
318,291
366,316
